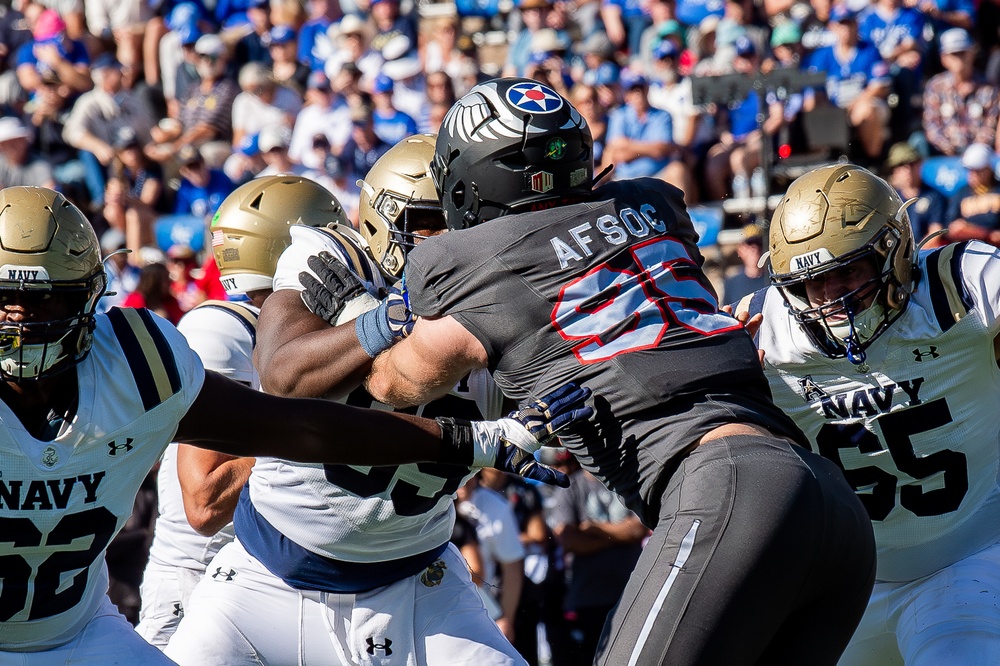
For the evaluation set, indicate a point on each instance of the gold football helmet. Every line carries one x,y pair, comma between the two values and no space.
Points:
50,265
829,218
251,228
398,199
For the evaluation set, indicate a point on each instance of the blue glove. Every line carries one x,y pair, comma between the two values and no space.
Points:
390,322
337,285
509,444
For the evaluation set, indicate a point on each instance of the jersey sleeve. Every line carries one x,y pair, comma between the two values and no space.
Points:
224,344
980,274
309,241
190,369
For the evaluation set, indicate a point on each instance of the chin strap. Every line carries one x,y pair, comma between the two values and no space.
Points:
855,354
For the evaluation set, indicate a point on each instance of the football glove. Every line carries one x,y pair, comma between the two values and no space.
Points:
509,444
387,324
337,285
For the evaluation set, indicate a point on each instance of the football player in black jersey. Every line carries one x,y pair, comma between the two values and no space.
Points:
760,552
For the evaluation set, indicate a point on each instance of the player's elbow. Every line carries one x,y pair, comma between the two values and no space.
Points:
207,521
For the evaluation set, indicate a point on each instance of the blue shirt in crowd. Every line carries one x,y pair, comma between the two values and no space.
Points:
203,201
394,126
657,126
846,80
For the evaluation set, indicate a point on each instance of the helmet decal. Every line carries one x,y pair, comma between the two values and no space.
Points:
534,98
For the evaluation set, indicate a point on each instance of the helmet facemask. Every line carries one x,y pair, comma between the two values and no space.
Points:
404,218
845,326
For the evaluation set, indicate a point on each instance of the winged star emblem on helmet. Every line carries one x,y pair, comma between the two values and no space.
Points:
534,98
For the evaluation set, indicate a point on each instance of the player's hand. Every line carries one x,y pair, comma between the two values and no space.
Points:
337,285
387,324
509,444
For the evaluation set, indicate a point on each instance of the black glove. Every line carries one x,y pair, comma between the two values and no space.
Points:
337,285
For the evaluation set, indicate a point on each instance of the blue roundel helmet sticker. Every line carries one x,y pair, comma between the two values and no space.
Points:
534,98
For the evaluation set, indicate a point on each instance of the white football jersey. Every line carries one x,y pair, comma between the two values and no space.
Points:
353,513
223,336
61,502
916,428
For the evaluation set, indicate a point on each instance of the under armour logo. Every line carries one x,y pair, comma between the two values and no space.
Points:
372,646
228,574
919,356
178,611
810,389
114,447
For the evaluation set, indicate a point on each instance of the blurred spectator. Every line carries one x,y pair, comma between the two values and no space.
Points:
640,138
134,194
592,53
897,32
178,60
263,102
547,63
364,147
314,44
290,13
207,111
500,547
181,265
17,165
949,13
273,142
287,70
252,47
440,92
352,46
391,125
857,81
584,98
201,189
624,21
710,59
902,170
153,292
533,16
974,211
750,277
123,276
330,175
960,107
441,53
326,112
602,540
99,115
738,20
661,13
51,60
122,21
605,82
245,162
14,32
395,35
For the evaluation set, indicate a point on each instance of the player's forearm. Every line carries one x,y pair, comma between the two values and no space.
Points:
210,505
510,589
394,382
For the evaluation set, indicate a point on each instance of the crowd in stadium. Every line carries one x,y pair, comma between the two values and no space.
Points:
148,115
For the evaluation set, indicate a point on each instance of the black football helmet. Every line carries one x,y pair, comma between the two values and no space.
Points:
510,145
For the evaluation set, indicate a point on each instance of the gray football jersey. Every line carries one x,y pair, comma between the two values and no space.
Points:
609,294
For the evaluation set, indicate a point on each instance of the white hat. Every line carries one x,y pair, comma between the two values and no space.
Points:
978,156
210,45
955,40
273,136
13,128
402,69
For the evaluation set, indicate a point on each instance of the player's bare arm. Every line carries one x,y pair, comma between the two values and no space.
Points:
210,486
299,354
425,365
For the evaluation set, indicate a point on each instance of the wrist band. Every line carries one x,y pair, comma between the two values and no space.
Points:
457,447
372,329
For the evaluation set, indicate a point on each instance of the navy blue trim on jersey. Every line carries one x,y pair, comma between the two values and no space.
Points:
156,375
939,300
229,308
956,275
305,570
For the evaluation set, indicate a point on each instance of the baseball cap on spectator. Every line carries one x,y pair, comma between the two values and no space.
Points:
105,61
189,34
978,156
955,40
666,49
184,13
12,128
786,33
188,155
671,28
597,44
901,154
48,25
272,137
249,145
210,45
382,84
841,13
318,81
605,75
124,138
349,25
632,80
744,47
282,34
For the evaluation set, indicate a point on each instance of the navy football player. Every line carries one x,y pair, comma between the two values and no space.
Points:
760,552
347,556
88,402
888,359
